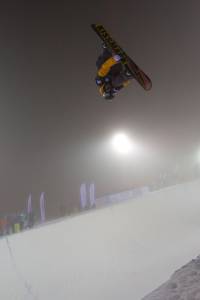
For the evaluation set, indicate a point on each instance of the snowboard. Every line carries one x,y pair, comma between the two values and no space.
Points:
128,63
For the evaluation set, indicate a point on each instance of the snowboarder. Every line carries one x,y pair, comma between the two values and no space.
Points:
112,76
115,67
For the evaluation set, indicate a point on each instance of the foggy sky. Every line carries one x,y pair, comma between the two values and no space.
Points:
53,124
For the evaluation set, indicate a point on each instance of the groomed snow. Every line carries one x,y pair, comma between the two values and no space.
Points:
120,252
183,285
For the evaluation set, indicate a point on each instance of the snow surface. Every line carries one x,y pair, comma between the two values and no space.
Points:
183,285
120,252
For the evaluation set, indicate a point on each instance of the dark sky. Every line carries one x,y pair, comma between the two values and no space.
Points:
54,126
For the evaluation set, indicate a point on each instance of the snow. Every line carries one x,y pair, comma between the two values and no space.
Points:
183,285
122,251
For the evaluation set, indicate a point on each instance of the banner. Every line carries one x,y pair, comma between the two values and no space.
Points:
123,196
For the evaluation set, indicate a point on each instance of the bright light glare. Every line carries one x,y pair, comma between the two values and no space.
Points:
122,143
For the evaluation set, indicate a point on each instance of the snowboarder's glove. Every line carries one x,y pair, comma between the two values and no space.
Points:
117,57
106,79
99,80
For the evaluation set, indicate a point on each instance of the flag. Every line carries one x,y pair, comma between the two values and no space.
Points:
83,196
42,208
92,195
29,204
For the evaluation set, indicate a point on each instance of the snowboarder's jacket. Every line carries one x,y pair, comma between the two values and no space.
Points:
110,75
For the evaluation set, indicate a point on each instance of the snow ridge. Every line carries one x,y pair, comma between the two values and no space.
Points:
183,285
